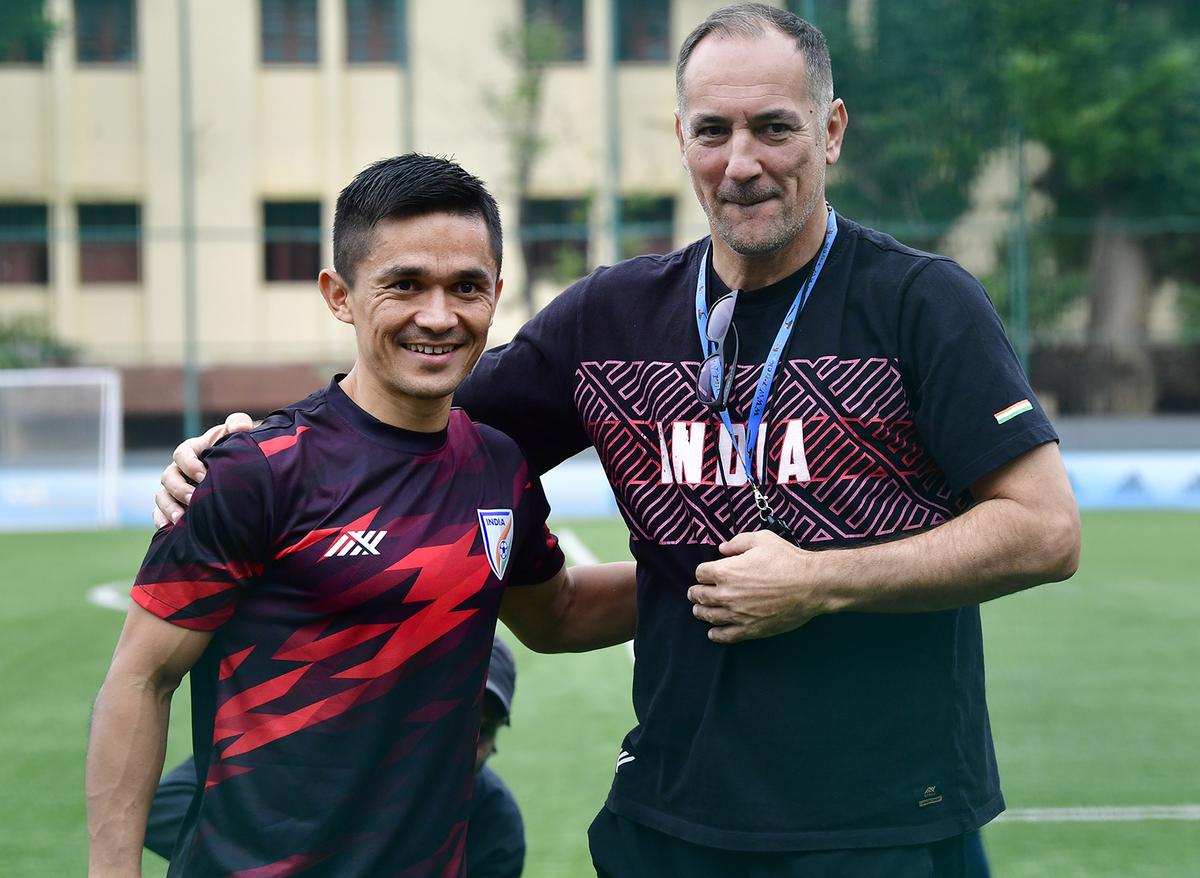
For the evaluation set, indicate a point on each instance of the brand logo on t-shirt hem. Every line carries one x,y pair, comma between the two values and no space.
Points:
496,526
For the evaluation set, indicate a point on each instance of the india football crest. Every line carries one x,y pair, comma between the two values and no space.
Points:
496,525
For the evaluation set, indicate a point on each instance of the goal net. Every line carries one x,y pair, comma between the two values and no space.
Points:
60,448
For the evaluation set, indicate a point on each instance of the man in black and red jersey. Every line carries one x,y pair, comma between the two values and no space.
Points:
334,587
496,834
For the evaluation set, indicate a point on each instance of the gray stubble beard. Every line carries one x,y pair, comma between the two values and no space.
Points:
787,232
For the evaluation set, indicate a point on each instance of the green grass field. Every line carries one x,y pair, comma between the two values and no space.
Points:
1092,686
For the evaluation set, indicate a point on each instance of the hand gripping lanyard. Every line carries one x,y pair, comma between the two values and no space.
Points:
759,405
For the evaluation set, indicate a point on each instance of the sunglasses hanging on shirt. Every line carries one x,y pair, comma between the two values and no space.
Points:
717,371
715,379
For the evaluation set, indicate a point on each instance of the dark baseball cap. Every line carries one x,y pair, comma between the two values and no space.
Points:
502,676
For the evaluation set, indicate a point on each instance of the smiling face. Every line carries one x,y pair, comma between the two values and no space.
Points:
421,304
756,146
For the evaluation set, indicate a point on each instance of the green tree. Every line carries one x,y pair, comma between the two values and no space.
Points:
529,48
26,343
925,102
1113,90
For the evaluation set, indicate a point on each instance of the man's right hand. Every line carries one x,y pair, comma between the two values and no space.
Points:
186,471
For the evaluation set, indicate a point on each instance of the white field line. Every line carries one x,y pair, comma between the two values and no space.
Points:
110,595
1115,814
577,550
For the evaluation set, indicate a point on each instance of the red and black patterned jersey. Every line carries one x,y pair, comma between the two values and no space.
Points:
352,573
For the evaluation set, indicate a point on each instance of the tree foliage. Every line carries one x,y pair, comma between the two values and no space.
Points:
924,97
1113,89
529,48
1110,87
26,342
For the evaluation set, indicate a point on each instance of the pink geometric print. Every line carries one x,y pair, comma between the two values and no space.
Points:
871,476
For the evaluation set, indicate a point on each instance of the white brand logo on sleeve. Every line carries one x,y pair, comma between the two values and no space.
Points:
623,758
357,542
496,527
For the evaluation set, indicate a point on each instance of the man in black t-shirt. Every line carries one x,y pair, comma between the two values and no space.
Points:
827,456
495,846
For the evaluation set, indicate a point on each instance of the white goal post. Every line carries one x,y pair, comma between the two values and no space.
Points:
60,448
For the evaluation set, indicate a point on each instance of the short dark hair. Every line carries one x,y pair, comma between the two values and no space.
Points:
407,185
749,20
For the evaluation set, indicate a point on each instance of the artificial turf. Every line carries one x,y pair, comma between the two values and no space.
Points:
1091,684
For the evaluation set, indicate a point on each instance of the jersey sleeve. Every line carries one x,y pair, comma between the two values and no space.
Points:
537,555
972,403
525,388
194,570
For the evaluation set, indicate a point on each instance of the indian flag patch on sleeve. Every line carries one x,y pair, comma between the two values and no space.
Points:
1017,408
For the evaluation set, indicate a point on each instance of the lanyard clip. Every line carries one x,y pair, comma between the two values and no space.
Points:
760,500
767,515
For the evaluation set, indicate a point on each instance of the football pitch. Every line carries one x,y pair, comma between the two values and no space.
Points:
1093,684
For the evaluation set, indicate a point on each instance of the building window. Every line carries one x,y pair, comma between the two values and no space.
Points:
645,30
289,31
109,243
105,31
292,240
23,50
24,255
554,238
23,34
566,19
376,31
647,225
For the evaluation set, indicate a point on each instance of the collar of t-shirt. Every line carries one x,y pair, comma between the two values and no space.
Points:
370,427
759,312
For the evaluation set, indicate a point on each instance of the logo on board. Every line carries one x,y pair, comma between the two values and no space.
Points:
496,526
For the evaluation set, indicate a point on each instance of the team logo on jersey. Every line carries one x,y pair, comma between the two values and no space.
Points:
357,542
496,526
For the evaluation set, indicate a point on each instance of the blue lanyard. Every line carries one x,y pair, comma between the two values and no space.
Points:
759,405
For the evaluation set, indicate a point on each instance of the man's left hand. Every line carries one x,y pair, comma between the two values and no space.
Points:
762,587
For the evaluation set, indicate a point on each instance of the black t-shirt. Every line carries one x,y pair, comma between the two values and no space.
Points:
896,392
351,573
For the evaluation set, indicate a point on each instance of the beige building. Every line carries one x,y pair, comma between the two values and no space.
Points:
288,100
